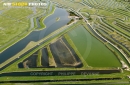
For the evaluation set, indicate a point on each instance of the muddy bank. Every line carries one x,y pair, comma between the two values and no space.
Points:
64,55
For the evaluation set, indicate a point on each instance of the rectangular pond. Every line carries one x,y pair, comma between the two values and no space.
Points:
93,51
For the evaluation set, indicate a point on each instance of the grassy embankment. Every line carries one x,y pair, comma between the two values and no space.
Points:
61,77
44,17
70,21
51,58
39,58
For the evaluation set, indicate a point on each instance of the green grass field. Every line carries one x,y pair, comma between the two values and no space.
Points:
13,22
93,51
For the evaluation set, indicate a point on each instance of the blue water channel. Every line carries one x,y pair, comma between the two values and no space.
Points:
51,25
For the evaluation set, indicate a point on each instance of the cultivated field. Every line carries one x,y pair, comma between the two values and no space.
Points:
68,3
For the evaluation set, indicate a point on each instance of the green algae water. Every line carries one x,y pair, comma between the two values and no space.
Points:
95,53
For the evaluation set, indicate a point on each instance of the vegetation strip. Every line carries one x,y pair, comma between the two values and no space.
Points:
60,80
39,58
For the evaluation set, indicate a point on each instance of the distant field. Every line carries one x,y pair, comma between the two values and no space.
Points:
70,3
93,51
13,22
